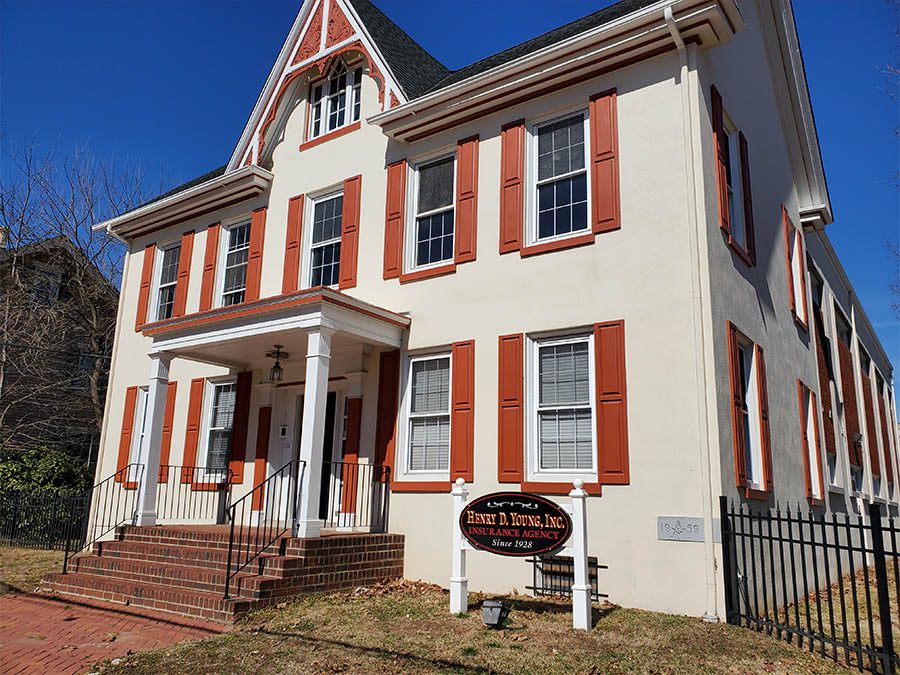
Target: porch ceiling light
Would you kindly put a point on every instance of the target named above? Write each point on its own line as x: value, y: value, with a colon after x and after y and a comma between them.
x: 277, y: 372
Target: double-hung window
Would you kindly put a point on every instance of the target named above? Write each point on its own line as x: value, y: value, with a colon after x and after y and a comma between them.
x: 335, y: 102
x: 793, y: 240
x: 809, y: 418
x: 749, y: 422
x: 561, y: 426
x: 561, y: 174
x: 168, y: 277
x: 734, y: 186
x: 220, y: 421
x: 428, y: 434
x: 140, y: 416
x: 237, y: 249
x: 325, y: 241
x: 434, y: 208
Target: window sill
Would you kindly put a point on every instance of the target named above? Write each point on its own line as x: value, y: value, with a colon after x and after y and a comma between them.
x: 741, y: 253
x: 760, y: 495
x: 421, y: 485
x: 816, y: 501
x: 542, y: 488
x: 557, y: 245
x: 306, y: 145
x: 428, y: 273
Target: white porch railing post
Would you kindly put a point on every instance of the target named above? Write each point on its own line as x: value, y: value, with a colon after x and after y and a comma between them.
x: 459, y: 582
x: 581, y: 589
x: 315, y: 394
x: 151, y: 444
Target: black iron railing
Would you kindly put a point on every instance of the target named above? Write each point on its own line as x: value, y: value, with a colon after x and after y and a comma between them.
x: 44, y: 520
x: 193, y: 493
x: 261, y: 517
x: 825, y: 581
x: 113, y: 502
x: 355, y: 497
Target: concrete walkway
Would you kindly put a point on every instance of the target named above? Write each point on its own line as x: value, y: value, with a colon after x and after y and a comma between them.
x: 42, y: 634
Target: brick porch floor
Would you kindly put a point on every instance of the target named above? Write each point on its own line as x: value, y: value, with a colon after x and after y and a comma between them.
x: 39, y: 634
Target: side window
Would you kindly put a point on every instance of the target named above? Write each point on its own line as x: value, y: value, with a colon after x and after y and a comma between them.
x: 220, y: 418
x: 325, y: 241
x: 812, y: 455
x: 793, y: 241
x: 234, y: 278
x: 166, y: 280
x: 749, y: 427
x: 432, y: 241
x: 335, y: 101
x: 428, y: 433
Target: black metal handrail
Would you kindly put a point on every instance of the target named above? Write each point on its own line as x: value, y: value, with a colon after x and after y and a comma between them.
x: 193, y: 493
x: 261, y: 517
x: 112, y: 502
x: 355, y: 497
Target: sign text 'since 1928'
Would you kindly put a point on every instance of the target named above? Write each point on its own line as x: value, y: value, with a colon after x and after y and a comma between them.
x: 515, y: 524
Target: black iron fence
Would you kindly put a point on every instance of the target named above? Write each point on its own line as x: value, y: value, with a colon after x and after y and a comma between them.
x: 45, y: 519
x: 355, y: 497
x: 827, y: 582
x: 193, y: 494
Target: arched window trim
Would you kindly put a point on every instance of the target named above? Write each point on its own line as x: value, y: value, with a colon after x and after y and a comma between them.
x: 335, y: 100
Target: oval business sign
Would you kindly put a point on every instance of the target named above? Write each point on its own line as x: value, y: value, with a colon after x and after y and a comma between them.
x: 515, y: 524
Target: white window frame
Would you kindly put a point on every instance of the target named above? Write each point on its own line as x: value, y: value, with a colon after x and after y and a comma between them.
x: 222, y: 257
x: 812, y: 447
x: 157, y: 275
x: 757, y: 481
x: 412, y: 209
x: 209, y: 397
x: 798, y: 283
x: 353, y: 98
x: 405, y: 471
x: 140, y: 424
x: 306, y: 245
x: 531, y: 176
x: 532, y: 450
x: 736, y: 195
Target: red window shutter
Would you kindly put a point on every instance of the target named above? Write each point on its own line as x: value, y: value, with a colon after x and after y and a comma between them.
x: 350, y: 232
x: 871, y: 429
x: 465, y: 240
x: 350, y: 479
x: 766, y: 436
x: 851, y: 412
x: 255, y: 254
x: 825, y: 380
x: 386, y: 417
x: 737, y: 408
x: 511, y: 408
x: 462, y: 420
x: 126, y: 434
x: 612, y: 403
x: 192, y: 429
x: 263, y: 429
x: 719, y: 141
x: 240, y: 425
x: 604, y: 162
x: 804, y: 438
x: 394, y: 219
x: 146, y: 285
x: 817, y: 441
x: 512, y: 185
x: 748, y: 198
x: 290, y: 280
x: 168, y: 419
x: 184, y: 274
x: 886, y: 441
x: 208, y: 280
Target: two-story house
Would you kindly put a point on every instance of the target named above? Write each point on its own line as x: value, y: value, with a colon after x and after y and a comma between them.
x: 600, y: 255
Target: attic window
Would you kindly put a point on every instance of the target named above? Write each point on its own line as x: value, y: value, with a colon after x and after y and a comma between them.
x: 335, y: 101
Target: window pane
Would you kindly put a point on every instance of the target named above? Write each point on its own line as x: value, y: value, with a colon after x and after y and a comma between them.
x: 431, y: 386
x: 166, y: 302
x: 436, y: 185
x: 429, y: 445
x: 223, y: 406
x: 169, y: 269
x: 219, y: 449
x: 564, y: 374
x: 562, y: 206
x: 357, y: 93
x: 239, y: 237
x: 561, y: 147
x: 434, y: 238
x: 327, y: 219
x: 326, y: 265
x: 565, y: 439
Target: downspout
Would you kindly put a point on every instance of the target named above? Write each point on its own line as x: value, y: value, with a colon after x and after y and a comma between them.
x: 705, y: 436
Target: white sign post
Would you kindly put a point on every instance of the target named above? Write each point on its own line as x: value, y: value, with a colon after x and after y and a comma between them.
x: 577, y: 548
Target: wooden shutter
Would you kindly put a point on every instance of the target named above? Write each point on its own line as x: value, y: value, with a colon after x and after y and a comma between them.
x: 184, y: 273
x: 350, y: 232
x: 765, y: 435
x: 748, y: 198
x: 871, y: 429
x: 240, y: 425
x: 146, y: 285
x: 386, y: 417
x: 720, y: 141
x: 255, y: 254
x: 208, y: 280
x: 168, y: 419
x: 192, y: 428
x: 604, y: 162
x: 261, y: 461
x: 290, y: 280
x: 825, y: 367
x: 512, y: 185
x: 465, y: 239
x: 612, y: 403
x: 511, y: 408
x: 462, y: 411
x: 394, y: 218
x: 351, y: 455
x: 127, y: 432
x: 737, y: 408
x: 851, y: 412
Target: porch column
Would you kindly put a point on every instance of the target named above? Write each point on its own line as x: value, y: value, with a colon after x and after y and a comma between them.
x: 151, y: 444
x: 318, y: 358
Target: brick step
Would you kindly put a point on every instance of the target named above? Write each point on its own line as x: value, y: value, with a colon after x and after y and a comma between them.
x: 177, y: 536
x: 194, y: 603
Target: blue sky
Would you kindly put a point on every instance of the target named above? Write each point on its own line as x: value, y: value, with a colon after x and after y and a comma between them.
x: 168, y: 84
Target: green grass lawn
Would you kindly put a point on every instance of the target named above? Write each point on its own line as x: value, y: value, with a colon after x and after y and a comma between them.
x: 22, y: 569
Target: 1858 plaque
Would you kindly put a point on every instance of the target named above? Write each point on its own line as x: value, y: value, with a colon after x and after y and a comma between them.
x: 515, y: 524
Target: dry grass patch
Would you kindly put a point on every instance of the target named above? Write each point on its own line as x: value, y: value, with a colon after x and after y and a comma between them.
x: 21, y: 569
x: 406, y: 627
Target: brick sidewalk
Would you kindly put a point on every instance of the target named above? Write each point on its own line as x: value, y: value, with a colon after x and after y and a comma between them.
x: 40, y: 634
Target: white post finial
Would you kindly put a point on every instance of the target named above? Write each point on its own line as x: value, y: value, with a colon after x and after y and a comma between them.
x: 581, y: 589
x: 459, y: 582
